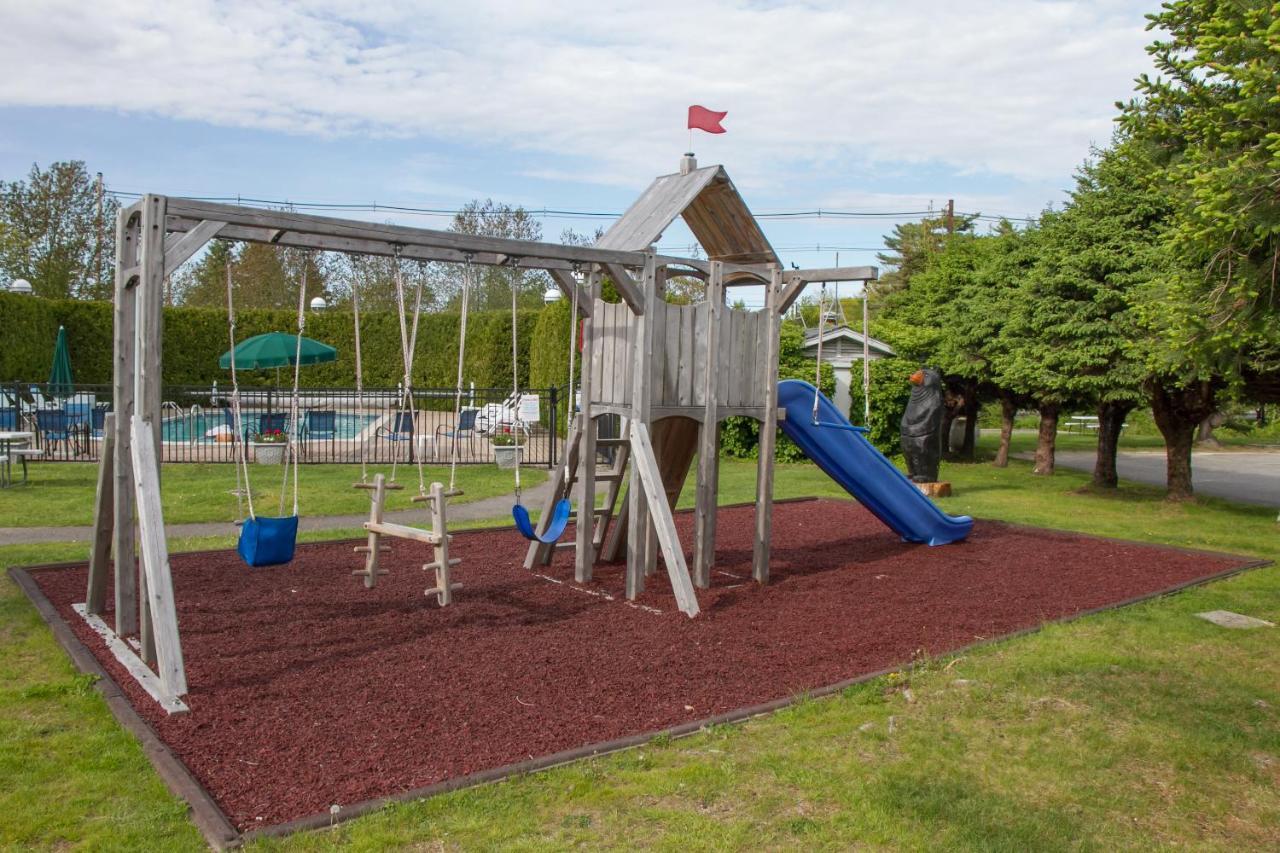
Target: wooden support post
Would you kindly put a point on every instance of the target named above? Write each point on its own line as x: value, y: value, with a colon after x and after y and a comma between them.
x: 374, y: 546
x: 95, y: 596
x: 147, y: 386
x: 159, y: 602
x: 768, y: 434
x: 645, y: 462
x: 585, y: 553
x: 124, y: 364
x: 704, y: 535
x: 638, y: 521
x: 444, y: 587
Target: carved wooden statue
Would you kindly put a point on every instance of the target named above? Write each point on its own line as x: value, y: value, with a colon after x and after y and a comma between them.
x: 922, y: 426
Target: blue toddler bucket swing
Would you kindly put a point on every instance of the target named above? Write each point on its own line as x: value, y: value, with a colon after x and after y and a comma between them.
x: 554, y: 527
x: 264, y: 540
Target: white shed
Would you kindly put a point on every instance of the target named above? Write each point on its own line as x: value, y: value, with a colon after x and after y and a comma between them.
x: 842, y: 348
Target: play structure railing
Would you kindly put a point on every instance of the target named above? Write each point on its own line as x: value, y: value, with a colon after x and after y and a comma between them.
x: 336, y: 425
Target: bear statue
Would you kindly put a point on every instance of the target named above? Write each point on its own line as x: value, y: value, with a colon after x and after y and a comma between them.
x: 922, y: 426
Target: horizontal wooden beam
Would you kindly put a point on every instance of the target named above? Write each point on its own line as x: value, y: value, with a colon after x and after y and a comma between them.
x: 794, y: 281
x: 831, y: 274
x: 328, y: 228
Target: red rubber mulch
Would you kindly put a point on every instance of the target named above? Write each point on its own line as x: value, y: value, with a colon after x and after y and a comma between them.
x: 309, y: 690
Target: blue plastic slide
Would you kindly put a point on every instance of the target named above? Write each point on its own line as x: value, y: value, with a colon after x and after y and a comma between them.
x: 864, y: 472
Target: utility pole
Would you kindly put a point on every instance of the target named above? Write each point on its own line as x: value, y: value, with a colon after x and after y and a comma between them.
x: 951, y: 216
x: 97, y: 243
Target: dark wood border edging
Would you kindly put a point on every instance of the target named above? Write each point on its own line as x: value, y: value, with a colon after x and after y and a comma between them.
x: 221, y: 834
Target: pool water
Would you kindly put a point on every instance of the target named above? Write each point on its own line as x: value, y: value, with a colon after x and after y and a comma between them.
x: 184, y: 428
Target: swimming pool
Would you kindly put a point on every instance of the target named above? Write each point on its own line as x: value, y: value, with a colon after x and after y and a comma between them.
x: 197, y: 428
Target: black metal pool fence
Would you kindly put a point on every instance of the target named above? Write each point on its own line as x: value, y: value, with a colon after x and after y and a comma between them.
x: 334, y: 424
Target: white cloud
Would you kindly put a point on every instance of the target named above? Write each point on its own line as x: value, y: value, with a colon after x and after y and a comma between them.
x: 1008, y: 87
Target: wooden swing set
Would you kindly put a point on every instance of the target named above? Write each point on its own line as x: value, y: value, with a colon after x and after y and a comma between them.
x: 671, y: 373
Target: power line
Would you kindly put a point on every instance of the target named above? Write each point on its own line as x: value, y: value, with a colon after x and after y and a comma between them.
x: 551, y: 213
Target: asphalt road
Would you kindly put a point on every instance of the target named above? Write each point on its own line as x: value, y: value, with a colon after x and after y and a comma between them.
x: 1239, y: 475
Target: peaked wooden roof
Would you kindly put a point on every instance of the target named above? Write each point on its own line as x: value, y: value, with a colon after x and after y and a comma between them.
x: 711, y: 207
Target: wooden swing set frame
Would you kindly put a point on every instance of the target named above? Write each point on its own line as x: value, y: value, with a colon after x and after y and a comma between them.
x: 645, y: 360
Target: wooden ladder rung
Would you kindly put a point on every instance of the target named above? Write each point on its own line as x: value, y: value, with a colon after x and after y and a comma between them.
x: 363, y: 573
x: 435, y: 590
x: 364, y: 549
x: 612, y: 442
x: 452, y: 493
x: 607, y: 477
x: 453, y: 561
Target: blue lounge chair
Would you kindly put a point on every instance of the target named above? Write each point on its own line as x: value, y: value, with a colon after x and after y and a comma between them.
x: 270, y: 422
x: 56, y: 425
x: 321, y: 424
x: 401, y: 430
x: 465, y: 428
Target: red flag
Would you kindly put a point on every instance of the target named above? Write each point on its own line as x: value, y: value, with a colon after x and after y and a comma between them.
x: 701, y: 118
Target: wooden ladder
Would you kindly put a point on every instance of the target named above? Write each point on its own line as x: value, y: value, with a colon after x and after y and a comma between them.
x: 561, y: 487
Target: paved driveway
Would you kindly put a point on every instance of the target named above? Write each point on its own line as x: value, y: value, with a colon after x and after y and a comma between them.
x: 1246, y: 476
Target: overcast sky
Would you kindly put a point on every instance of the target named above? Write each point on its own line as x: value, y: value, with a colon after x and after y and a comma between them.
x: 881, y: 106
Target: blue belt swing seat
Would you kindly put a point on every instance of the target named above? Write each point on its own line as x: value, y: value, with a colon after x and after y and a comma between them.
x: 554, y: 528
x: 265, y: 540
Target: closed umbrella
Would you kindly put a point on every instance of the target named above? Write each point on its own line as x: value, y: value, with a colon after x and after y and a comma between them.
x: 60, y: 377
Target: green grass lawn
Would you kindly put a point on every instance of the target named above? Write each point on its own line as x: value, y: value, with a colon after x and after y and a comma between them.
x: 61, y: 493
x: 1142, y: 728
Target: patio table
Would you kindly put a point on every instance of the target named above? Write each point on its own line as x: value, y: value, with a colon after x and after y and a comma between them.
x: 9, y: 439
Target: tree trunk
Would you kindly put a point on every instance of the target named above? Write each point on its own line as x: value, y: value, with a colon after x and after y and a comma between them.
x: 948, y: 417
x: 1178, y: 413
x: 970, y: 410
x: 1008, y: 410
x: 1110, y: 420
x: 1047, y: 439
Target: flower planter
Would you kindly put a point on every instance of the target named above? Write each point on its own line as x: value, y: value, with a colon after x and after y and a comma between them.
x: 507, y: 457
x: 269, y: 453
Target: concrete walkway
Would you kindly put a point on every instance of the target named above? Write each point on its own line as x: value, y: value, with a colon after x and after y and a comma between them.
x: 1247, y: 476
x: 498, y: 506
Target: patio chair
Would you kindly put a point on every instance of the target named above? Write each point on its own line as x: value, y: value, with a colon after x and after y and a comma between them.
x: 401, y: 430
x: 319, y: 425
x: 98, y: 419
x: 56, y: 426
x: 269, y: 422
x: 40, y: 400
x: 465, y: 428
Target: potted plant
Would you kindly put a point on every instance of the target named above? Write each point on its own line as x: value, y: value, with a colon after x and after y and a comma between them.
x: 269, y: 447
x: 505, y: 451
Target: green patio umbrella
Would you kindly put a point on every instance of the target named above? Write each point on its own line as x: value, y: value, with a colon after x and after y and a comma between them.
x: 276, y: 349
x: 60, y: 377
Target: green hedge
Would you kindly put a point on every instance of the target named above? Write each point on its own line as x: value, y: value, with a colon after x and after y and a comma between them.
x: 549, y: 358
x: 890, y: 391
x: 194, y: 338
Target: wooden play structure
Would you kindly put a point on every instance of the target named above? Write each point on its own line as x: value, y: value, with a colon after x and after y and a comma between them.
x: 671, y: 372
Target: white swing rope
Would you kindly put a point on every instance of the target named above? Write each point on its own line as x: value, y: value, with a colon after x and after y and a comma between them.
x: 462, y: 354
x: 364, y: 452
x: 243, y: 492
x: 817, y: 370
x: 408, y: 346
x: 515, y: 376
x: 573, y: 352
x: 291, y: 448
